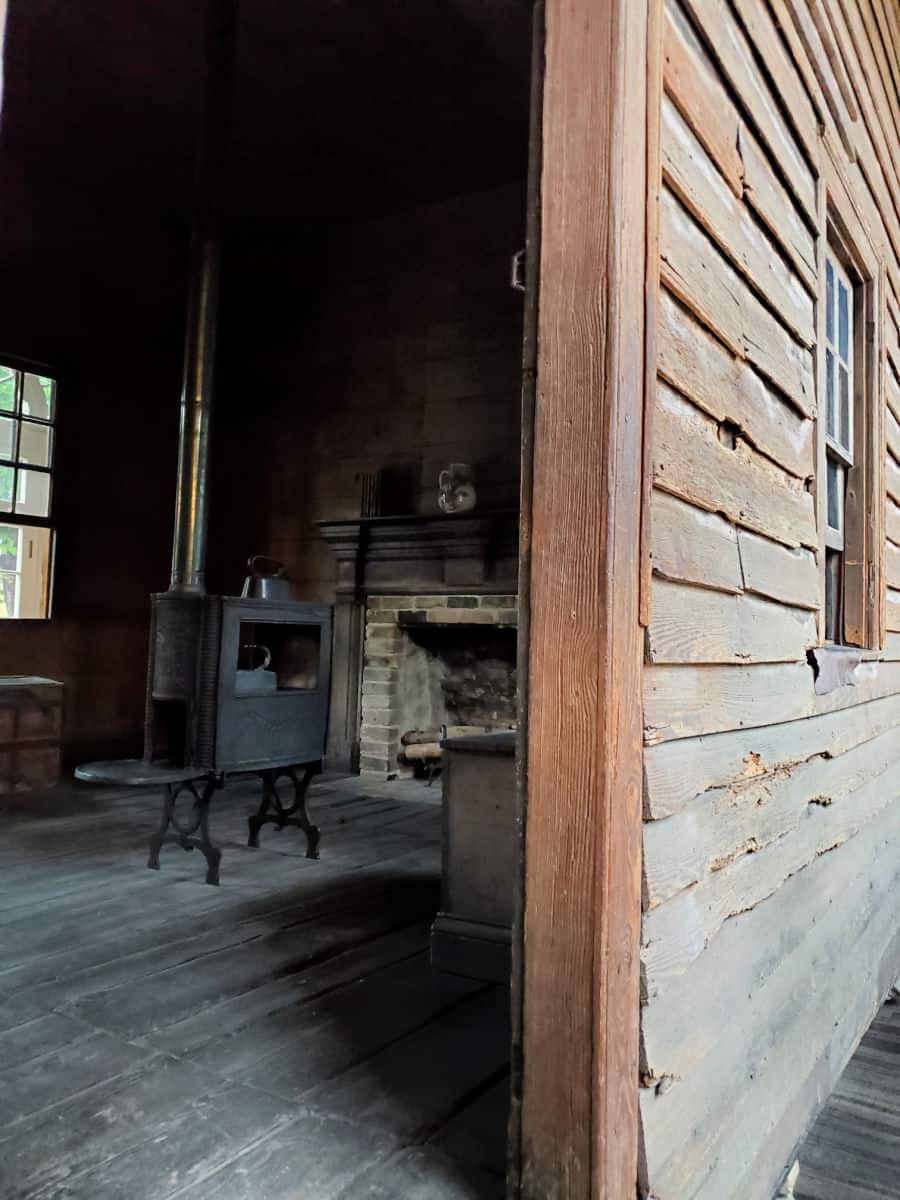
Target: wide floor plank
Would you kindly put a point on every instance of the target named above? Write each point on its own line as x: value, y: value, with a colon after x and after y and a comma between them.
x: 281, y: 1036
x: 853, y: 1150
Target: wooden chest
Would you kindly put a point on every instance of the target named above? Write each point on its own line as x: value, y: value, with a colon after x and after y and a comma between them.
x: 471, y: 934
x: 31, y: 711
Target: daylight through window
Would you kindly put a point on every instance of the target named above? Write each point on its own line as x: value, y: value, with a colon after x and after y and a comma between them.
x: 839, y: 421
x: 28, y: 405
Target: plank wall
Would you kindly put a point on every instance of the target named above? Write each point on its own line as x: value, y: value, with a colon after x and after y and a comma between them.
x: 772, y: 821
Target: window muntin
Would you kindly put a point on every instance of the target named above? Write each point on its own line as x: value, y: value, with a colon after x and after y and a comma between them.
x: 27, y: 419
x: 28, y: 409
x: 840, y: 419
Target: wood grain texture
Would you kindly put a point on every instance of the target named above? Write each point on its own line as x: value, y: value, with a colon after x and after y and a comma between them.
x: 655, y: 34
x: 728, y: 389
x: 727, y: 476
x: 694, y: 270
x: 694, y: 86
x: 770, y: 869
x: 731, y: 50
x: 678, y: 772
x: 697, y: 625
x: 686, y: 701
x: 582, y: 914
x: 691, y: 174
x: 693, y: 546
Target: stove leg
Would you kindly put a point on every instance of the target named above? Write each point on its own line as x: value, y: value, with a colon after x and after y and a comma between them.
x: 272, y: 811
x: 185, y: 835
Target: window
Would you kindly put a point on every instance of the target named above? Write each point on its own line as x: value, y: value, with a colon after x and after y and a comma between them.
x: 28, y: 404
x: 839, y: 421
x: 851, y: 430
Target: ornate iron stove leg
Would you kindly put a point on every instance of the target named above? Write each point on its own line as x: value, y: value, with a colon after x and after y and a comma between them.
x: 184, y: 833
x: 281, y: 816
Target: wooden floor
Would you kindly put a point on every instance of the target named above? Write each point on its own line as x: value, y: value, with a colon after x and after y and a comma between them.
x: 853, y: 1150
x: 281, y: 1037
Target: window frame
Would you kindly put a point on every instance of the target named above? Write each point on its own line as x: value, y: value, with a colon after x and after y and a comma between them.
x: 16, y: 362
x: 844, y: 239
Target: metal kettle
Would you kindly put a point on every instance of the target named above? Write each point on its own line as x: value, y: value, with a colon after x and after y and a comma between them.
x: 267, y: 580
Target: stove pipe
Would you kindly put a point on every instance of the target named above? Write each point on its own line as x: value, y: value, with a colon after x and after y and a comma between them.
x: 192, y: 499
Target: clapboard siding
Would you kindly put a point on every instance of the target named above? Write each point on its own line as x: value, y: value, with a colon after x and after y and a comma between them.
x: 700, y: 626
x: 696, y: 460
x: 690, y: 545
x: 692, y: 175
x: 694, y: 270
x: 696, y: 364
x: 772, y: 810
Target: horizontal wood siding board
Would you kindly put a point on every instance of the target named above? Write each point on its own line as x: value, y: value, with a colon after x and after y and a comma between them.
x: 728, y: 389
x: 678, y: 932
x: 892, y: 564
x: 685, y: 701
x: 695, y: 271
x: 773, y: 205
x: 692, y: 462
x: 696, y: 625
x: 892, y: 520
x: 784, y: 82
x: 794, y: 976
x: 893, y: 610
x: 693, y: 546
x: 692, y: 83
x: 690, y: 172
x: 745, y: 817
x: 730, y: 49
x: 769, y: 569
x: 677, y: 772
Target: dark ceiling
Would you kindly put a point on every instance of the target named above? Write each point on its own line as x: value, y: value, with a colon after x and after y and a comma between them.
x: 343, y: 107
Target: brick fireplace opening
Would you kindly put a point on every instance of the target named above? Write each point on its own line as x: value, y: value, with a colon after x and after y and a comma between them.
x: 432, y: 661
x: 425, y: 628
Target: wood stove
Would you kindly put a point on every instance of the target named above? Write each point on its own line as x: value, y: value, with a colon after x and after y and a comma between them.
x: 204, y: 709
x: 207, y: 713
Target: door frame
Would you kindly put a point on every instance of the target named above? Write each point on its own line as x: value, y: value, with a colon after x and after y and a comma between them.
x: 589, y: 369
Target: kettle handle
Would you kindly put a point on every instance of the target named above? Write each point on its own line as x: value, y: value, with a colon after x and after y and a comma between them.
x: 260, y: 564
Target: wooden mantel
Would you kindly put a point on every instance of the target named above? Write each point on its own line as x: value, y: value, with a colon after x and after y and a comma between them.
x: 471, y: 552
x: 468, y: 553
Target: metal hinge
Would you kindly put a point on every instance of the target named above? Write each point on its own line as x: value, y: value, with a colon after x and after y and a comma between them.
x: 517, y: 271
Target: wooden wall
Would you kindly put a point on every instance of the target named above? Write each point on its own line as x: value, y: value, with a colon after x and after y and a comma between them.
x: 772, y: 822
x: 99, y: 298
x: 389, y: 342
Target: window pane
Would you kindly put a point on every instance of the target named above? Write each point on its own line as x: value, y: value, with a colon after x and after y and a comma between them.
x: 33, y: 494
x: 846, y: 437
x: 833, y: 577
x: 7, y: 389
x: 7, y: 437
x: 6, y: 488
x: 48, y: 387
x: 24, y: 571
x: 829, y: 301
x: 830, y: 421
x: 35, y: 402
x: 835, y: 495
x: 843, y: 322
x: 34, y: 444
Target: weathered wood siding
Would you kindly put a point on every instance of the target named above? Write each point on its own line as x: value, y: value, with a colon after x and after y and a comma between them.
x: 772, y: 821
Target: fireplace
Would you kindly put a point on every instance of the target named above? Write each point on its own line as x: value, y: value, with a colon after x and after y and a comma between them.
x: 424, y: 631
x: 431, y: 662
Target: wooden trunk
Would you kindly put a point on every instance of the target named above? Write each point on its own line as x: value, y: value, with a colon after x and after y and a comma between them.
x: 31, y: 712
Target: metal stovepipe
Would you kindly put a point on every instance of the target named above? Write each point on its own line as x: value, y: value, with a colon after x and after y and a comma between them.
x: 192, y: 494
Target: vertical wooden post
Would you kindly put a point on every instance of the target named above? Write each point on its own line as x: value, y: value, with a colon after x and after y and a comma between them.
x: 579, y: 1071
